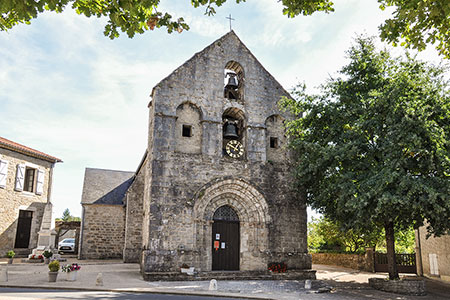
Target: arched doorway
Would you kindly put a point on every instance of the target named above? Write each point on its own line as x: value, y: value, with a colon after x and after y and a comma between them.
x: 225, y: 239
x: 252, y: 213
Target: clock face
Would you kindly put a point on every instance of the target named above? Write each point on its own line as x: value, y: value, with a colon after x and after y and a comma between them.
x: 234, y: 149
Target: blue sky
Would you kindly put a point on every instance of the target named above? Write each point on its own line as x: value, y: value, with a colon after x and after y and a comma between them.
x: 69, y: 91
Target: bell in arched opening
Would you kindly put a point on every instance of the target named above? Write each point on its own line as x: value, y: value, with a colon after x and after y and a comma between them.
x: 231, y: 81
x: 231, y: 85
x: 231, y: 131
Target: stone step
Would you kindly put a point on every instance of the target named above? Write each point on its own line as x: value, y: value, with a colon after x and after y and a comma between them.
x: 231, y: 275
x: 22, y: 252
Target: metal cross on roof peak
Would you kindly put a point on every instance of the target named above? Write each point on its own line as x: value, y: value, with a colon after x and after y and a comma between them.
x: 231, y: 19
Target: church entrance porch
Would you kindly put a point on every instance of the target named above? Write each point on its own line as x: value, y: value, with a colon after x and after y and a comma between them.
x: 226, y: 240
x: 239, y: 211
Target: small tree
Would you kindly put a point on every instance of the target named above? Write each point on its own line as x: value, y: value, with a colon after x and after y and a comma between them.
x: 373, y: 150
x: 66, y: 217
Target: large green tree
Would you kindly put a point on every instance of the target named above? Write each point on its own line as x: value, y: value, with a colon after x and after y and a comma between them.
x: 414, y: 24
x: 373, y: 148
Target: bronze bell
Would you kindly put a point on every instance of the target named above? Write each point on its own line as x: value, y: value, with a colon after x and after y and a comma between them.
x: 232, y: 81
x: 230, y: 130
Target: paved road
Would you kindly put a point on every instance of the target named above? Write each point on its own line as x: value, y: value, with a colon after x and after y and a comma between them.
x: 28, y: 294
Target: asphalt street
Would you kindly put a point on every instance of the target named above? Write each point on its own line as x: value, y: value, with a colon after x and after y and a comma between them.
x: 45, y: 294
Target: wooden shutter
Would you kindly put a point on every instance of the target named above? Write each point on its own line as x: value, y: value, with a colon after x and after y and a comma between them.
x: 3, y: 173
x: 40, y: 182
x: 20, y: 177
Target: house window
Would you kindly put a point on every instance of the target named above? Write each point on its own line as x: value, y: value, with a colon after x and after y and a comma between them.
x: 273, y: 142
x: 187, y: 131
x: 29, y: 179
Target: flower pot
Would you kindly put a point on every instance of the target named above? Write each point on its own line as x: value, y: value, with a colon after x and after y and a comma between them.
x: 52, y: 276
x: 72, y: 276
x: 10, y: 260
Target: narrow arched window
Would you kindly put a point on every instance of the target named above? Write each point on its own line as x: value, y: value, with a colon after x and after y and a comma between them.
x: 188, y: 128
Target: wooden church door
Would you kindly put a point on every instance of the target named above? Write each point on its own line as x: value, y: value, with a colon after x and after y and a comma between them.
x: 225, y: 240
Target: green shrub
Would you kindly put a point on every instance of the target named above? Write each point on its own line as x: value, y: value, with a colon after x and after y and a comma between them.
x: 53, y: 266
x: 11, y: 254
x: 47, y: 254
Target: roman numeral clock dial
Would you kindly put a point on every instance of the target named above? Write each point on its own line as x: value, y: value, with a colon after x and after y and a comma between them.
x: 234, y: 149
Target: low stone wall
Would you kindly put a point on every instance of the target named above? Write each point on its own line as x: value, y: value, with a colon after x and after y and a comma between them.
x: 405, y: 286
x: 363, y: 262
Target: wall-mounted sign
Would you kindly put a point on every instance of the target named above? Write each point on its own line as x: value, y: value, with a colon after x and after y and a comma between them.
x: 216, y: 245
x: 217, y: 236
x: 222, y: 245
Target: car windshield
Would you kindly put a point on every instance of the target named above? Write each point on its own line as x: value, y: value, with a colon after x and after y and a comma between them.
x: 68, y: 241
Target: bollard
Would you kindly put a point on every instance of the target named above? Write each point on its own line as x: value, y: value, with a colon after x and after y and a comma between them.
x: 213, y: 285
x: 307, y: 284
x: 99, y: 280
x: 4, y: 275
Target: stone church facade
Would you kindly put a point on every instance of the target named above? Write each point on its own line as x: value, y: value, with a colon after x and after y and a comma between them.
x: 214, y: 189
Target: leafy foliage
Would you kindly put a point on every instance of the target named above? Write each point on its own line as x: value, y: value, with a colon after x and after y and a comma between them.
x: 415, y: 22
x: 373, y: 149
x: 325, y: 235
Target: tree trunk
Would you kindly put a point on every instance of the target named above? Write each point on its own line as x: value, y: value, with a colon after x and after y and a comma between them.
x: 390, y: 247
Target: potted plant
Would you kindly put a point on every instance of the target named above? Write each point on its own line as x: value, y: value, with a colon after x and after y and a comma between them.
x: 47, y: 254
x: 10, y: 254
x: 71, y: 271
x: 53, y: 273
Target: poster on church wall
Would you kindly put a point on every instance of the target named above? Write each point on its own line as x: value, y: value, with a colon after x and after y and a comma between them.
x: 216, y: 245
x: 217, y: 236
x: 223, y: 245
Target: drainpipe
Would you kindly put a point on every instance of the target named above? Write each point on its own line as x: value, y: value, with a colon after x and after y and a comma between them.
x: 419, y: 265
x: 80, y: 246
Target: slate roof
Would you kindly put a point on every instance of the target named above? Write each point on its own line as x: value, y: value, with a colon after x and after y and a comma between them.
x: 10, y: 145
x: 105, y: 186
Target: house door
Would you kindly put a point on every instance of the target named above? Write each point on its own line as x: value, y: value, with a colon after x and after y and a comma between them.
x: 23, y: 229
x: 225, y: 240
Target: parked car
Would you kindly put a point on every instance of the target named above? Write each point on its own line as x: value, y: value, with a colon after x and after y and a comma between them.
x: 67, y: 245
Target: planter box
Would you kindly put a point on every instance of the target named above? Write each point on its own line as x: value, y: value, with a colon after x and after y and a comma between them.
x: 407, y: 286
x: 52, y: 276
x: 189, y: 271
x: 71, y: 276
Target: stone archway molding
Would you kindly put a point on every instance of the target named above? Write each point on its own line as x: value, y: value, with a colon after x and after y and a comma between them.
x: 248, y: 202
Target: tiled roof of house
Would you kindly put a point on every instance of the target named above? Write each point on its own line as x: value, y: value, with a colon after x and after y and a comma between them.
x: 10, y: 145
x: 105, y: 186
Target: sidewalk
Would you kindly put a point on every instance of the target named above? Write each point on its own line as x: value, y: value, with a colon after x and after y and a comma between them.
x: 121, y: 277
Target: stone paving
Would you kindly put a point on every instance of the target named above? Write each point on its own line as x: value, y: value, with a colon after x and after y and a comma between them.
x: 340, y: 283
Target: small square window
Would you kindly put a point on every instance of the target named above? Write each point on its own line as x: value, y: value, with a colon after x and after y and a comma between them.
x: 187, y: 131
x: 273, y: 142
x: 29, y: 180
